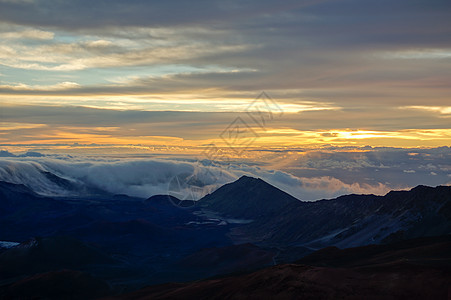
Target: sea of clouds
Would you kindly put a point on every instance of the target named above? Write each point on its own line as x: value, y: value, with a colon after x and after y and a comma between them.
x: 313, y: 177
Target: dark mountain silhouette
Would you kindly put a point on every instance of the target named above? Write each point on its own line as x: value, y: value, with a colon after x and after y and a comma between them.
x: 418, y: 269
x: 162, y: 200
x: 16, y: 198
x: 52, y: 285
x: 427, y: 251
x: 355, y: 220
x: 157, y: 240
x: 44, y: 254
x: 22, y: 212
x: 165, y: 200
x: 229, y: 259
x: 248, y: 198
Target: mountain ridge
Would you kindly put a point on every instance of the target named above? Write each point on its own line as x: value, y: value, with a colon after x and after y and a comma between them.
x: 355, y: 220
x: 364, y: 274
x: 157, y: 241
x: 247, y: 198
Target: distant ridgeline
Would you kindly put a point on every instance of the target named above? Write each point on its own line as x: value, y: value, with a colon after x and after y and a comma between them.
x: 127, y: 242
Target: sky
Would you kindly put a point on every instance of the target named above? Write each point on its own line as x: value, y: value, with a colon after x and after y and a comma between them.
x: 234, y: 79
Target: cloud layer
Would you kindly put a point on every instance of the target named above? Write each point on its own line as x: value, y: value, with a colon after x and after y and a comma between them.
x: 306, y: 174
x: 352, y: 52
x: 346, y: 73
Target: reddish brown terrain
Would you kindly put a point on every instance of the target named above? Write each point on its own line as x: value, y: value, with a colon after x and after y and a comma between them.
x: 416, y: 269
x: 395, y: 246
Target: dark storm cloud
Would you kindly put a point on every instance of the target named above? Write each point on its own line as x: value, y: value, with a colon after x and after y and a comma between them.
x: 374, y: 65
x: 343, y: 22
x: 88, y: 14
x: 294, y: 44
x: 347, y: 22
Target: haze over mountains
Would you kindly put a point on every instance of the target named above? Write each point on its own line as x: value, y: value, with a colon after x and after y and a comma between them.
x: 307, y: 174
x: 243, y: 226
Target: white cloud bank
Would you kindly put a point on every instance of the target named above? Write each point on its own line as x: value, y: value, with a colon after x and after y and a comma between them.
x: 147, y: 177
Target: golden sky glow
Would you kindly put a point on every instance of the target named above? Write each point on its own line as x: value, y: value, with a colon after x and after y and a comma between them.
x: 243, y: 138
x: 355, y: 74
